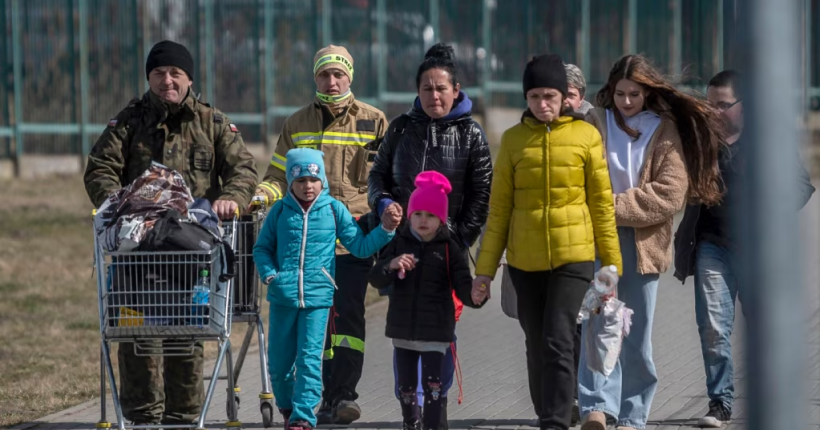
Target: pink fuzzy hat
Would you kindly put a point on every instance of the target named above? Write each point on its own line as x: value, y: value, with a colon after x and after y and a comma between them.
x: 430, y: 195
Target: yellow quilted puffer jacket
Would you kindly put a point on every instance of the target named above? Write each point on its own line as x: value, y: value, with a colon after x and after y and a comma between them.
x: 551, y: 202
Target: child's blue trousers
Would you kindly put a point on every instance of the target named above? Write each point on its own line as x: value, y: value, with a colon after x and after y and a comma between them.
x: 295, y: 347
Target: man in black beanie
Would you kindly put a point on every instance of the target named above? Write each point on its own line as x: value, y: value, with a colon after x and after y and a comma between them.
x: 170, y: 71
x: 171, y: 126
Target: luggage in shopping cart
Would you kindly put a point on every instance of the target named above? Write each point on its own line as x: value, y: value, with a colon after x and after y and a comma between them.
x: 151, y: 300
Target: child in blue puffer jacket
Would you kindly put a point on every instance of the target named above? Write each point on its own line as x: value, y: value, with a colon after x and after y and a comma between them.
x: 295, y: 256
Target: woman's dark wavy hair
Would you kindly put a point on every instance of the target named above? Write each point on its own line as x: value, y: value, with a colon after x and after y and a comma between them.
x: 439, y: 56
x: 699, y: 125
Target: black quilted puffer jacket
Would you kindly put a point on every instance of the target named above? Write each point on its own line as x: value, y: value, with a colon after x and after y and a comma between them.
x: 454, y: 146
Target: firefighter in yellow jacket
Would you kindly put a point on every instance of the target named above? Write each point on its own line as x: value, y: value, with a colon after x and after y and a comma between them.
x: 348, y: 132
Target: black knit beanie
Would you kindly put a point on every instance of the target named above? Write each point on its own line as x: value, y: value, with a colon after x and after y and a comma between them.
x: 545, y: 71
x: 167, y: 53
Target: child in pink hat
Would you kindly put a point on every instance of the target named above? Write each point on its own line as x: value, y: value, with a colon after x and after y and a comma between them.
x: 425, y: 266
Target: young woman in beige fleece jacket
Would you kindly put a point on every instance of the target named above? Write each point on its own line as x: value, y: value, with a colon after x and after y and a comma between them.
x: 661, y: 147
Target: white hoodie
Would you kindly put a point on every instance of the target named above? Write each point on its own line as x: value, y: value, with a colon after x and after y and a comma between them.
x: 625, y: 155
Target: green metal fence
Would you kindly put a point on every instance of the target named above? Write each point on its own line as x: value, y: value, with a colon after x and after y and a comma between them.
x: 67, y: 66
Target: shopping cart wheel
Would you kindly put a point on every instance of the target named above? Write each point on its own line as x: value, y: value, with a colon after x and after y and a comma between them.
x: 236, y: 401
x: 228, y: 405
x: 267, y: 414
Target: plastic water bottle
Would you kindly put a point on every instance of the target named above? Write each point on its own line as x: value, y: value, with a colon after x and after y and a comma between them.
x: 199, y: 299
x: 606, y: 280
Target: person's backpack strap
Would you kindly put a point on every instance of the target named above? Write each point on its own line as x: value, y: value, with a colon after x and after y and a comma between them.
x: 459, y: 306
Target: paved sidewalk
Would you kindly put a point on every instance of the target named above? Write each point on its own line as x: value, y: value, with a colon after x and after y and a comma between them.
x: 491, y: 350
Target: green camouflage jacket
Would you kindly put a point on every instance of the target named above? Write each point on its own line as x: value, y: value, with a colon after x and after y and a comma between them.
x: 194, y: 139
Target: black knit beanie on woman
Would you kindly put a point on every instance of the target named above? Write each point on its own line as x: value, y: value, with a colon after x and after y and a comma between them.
x: 545, y: 71
x: 167, y: 53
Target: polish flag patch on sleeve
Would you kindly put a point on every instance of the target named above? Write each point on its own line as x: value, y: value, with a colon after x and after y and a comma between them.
x: 234, y: 129
x: 112, y: 122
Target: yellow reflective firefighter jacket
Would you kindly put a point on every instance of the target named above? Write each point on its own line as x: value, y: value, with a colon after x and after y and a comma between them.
x: 350, y: 143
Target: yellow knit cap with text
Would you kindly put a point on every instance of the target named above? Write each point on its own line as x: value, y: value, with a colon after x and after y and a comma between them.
x: 333, y: 56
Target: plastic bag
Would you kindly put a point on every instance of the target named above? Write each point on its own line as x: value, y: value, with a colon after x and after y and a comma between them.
x: 603, y: 335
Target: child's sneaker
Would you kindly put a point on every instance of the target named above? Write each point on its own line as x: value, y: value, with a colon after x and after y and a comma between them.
x: 300, y: 425
x: 286, y: 414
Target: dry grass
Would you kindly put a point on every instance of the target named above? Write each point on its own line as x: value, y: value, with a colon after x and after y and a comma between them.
x: 49, y: 329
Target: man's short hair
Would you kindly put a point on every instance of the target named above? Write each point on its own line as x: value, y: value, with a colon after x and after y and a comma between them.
x: 727, y: 78
x: 575, y: 78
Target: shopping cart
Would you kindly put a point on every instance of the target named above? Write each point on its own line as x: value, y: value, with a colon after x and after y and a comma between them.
x: 151, y: 299
x: 247, y: 305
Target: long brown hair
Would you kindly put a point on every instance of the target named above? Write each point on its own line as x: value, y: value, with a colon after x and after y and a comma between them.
x: 699, y: 125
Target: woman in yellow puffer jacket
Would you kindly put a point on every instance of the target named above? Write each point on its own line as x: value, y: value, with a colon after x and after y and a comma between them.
x: 550, y: 206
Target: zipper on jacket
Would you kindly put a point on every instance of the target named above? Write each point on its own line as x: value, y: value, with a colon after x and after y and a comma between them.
x: 426, y: 144
x: 329, y: 278
x: 547, y: 195
x: 416, y: 292
x: 302, y: 248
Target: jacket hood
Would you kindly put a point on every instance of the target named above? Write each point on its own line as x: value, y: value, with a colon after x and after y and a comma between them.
x: 462, y: 107
x: 584, y: 108
x: 442, y: 236
x: 529, y: 119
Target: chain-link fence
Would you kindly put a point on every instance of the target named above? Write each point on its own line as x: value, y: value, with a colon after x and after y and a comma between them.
x: 68, y: 66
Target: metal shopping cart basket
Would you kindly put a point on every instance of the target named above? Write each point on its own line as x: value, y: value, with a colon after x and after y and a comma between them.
x: 247, y: 305
x: 154, y: 301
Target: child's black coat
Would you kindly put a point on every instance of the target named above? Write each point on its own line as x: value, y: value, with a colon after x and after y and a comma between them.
x: 421, y: 304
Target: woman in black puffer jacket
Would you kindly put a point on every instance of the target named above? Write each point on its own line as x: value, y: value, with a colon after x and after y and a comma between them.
x: 438, y: 133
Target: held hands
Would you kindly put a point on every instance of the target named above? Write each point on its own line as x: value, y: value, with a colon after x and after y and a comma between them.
x: 481, y: 289
x: 391, y: 217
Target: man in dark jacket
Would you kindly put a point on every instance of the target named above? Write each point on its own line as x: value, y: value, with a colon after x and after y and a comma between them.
x: 171, y: 126
x: 706, y: 247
